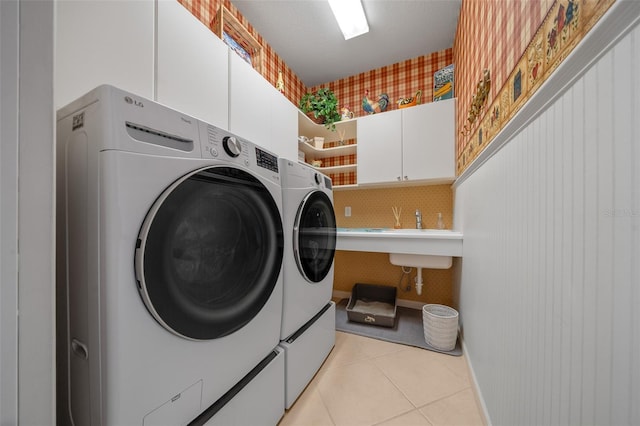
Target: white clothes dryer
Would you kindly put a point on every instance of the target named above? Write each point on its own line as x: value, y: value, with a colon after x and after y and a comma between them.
x: 308, y: 315
x: 170, y: 255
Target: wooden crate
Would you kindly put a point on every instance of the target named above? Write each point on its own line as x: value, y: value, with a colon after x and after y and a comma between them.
x: 226, y: 22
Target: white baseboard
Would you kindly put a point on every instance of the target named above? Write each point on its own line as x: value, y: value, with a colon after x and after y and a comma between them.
x: 478, y: 393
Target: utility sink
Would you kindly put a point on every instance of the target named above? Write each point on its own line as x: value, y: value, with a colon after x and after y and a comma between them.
x: 415, y: 248
x: 421, y: 260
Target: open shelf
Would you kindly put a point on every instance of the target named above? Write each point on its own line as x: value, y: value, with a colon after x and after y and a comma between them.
x: 345, y: 187
x: 336, y: 151
x: 345, y: 130
x: 337, y: 169
x: 308, y: 128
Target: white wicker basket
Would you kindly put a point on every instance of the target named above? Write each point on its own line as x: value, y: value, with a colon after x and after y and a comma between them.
x: 440, y: 326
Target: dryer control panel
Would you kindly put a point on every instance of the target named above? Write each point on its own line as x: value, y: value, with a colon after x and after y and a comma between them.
x: 300, y: 175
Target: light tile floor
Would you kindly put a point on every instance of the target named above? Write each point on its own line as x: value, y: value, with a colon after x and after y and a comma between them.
x: 367, y: 381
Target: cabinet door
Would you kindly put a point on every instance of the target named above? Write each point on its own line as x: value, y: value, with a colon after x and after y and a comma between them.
x: 249, y: 102
x: 192, y: 66
x: 380, y: 148
x: 284, y: 127
x: 103, y: 42
x: 258, y: 112
x: 428, y: 140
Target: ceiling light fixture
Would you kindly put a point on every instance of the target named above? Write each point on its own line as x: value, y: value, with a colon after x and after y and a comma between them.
x: 350, y: 17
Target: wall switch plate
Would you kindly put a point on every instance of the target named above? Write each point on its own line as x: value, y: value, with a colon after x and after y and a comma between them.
x: 347, y: 211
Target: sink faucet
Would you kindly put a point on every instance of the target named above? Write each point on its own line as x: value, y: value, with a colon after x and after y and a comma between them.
x: 418, y: 219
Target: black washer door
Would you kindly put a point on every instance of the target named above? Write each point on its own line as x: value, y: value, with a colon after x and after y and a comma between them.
x: 314, y: 236
x: 210, y: 253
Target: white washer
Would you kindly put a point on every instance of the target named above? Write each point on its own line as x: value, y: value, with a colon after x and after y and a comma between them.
x: 308, y: 315
x: 170, y: 255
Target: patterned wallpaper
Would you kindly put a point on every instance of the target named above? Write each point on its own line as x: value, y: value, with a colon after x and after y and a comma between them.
x: 486, y: 37
x: 521, y: 42
x: 399, y: 80
x: 372, y: 207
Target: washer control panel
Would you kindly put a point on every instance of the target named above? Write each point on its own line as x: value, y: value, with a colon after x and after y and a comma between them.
x: 223, y: 145
x: 267, y: 160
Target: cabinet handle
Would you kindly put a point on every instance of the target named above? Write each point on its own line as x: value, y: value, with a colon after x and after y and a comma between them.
x: 406, y: 178
x: 398, y: 178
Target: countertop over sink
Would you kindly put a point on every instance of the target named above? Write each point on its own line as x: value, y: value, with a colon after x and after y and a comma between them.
x: 438, y: 242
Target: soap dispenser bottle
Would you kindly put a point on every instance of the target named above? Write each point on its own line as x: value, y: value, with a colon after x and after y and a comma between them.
x: 440, y: 223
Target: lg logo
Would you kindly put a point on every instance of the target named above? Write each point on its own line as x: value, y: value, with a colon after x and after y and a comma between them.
x: 132, y: 101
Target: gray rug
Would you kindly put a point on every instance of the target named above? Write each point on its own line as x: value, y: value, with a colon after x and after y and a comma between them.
x: 407, y: 330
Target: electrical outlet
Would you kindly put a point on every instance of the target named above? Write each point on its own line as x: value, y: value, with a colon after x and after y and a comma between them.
x: 347, y: 211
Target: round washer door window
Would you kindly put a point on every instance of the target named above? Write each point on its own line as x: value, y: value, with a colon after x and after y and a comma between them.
x: 209, y: 253
x: 314, y: 236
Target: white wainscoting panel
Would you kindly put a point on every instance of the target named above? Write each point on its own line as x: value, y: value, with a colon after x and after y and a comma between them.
x: 550, y: 278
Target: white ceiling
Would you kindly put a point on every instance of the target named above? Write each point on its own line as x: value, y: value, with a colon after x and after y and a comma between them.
x: 306, y: 36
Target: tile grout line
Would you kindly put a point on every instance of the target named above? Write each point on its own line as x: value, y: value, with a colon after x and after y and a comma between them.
x: 445, y: 397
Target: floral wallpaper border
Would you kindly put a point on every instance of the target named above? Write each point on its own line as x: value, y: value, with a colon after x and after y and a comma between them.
x: 566, y: 23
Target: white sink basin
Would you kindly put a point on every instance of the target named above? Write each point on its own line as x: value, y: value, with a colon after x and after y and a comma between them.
x: 421, y: 260
x: 421, y: 242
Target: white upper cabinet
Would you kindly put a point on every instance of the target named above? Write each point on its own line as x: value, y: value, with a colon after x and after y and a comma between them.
x: 380, y: 147
x: 249, y: 102
x: 428, y: 141
x: 412, y: 144
x: 284, y: 126
x: 192, y: 66
x: 103, y: 42
x: 258, y: 112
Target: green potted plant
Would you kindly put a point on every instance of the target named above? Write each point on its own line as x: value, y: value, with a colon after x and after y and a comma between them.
x: 321, y: 105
